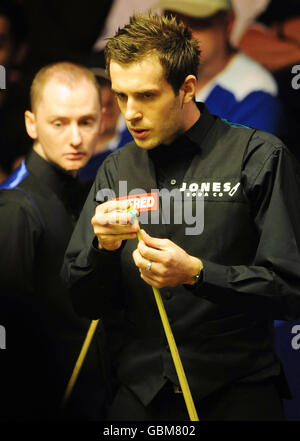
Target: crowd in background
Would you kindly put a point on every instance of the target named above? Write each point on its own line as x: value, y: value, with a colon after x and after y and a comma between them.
x: 33, y: 34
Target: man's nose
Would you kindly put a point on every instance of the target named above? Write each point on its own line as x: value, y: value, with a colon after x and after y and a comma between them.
x: 76, y: 137
x: 132, y: 112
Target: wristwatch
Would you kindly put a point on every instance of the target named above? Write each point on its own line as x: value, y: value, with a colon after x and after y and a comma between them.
x: 198, y: 278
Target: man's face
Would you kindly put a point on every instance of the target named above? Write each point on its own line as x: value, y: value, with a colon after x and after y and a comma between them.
x: 153, y: 113
x: 66, y: 123
x: 212, y: 42
x: 212, y: 35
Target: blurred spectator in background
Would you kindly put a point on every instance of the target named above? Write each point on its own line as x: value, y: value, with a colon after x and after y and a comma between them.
x: 114, y: 133
x: 13, y: 99
x: 269, y: 32
x: 13, y: 40
x: 231, y: 84
x: 245, y: 13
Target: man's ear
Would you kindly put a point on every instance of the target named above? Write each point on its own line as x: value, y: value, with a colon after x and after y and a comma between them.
x: 189, y: 88
x: 102, y: 123
x: 30, y: 124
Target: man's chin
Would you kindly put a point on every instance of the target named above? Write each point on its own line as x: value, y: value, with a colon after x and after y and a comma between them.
x: 146, y: 145
x: 73, y: 167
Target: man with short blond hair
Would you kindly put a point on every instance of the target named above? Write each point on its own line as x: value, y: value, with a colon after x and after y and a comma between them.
x: 65, y: 73
x: 39, y: 205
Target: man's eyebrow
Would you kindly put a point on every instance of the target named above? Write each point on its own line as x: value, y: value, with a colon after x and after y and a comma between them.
x: 58, y: 116
x: 138, y: 92
x: 89, y: 115
x: 55, y: 116
x: 149, y: 90
x: 116, y: 90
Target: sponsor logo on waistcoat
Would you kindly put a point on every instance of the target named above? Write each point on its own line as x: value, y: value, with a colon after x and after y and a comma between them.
x: 176, y: 207
x: 211, y: 189
x: 142, y: 202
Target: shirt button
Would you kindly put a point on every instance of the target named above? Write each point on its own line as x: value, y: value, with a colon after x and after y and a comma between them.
x: 173, y: 181
x: 168, y: 295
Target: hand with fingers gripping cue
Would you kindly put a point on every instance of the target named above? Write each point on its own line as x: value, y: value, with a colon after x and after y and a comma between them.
x: 112, y: 224
x: 162, y: 263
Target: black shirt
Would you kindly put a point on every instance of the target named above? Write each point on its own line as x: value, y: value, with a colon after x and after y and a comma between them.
x: 38, y: 211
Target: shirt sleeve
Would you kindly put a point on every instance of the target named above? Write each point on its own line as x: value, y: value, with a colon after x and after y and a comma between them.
x: 20, y: 230
x: 271, y: 181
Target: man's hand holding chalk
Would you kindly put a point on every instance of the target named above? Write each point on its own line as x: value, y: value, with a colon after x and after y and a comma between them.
x: 112, y: 224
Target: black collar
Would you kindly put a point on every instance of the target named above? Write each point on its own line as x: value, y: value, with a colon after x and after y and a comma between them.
x: 199, y: 130
x: 67, y: 188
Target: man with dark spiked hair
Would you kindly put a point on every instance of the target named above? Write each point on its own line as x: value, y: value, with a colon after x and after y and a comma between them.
x: 222, y: 285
